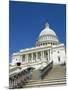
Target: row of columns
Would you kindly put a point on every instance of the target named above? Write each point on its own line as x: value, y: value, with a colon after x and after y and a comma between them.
x: 42, y: 56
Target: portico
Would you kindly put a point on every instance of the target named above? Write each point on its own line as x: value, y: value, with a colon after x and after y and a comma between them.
x: 35, y: 56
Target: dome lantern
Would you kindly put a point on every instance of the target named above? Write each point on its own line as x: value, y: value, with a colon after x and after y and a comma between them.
x: 47, y: 25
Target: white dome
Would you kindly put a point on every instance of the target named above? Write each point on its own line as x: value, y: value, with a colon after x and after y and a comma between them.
x: 47, y: 31
x: 47, y: 36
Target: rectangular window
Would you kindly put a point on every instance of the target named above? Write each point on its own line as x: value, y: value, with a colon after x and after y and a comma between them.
x: 45, y: 54
x: 59, y: 59
x: 34, y: 56
x: 39, y: 55
x: 23, y: 57
x: 29, y: 57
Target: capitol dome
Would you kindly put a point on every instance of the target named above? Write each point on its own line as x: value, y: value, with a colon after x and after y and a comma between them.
x: 47, y: 31
x: 47, y: 36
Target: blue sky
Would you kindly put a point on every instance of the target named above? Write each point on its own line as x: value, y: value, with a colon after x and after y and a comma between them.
x: 27, y: 20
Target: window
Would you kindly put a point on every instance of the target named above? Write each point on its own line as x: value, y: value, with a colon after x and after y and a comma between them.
x: 53, y: 43
x: 45, y: 54
x: 39, y: 55
x: 58, y: 51
x: 40, y: 44
x: 59, y: 59
x: 29, y: 56
x: 23, y: 58
x: 34, y: 56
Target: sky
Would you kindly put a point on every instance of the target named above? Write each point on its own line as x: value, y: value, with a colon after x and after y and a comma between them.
x: 27, y: 20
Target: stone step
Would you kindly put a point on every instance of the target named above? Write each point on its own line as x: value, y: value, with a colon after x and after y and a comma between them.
x: 42, y: 81
x: 48, y: 79
x: 46, y: 83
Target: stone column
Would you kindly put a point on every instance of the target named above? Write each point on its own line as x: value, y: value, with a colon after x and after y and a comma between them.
x: 32, y: 57
x: 48, y: 55
x: 51, y: 55
x: 36, y: 56
x: 21, y: 58
x: 43, y: 55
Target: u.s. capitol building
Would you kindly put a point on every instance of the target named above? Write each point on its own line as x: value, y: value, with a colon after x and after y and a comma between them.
x: 47, y: 49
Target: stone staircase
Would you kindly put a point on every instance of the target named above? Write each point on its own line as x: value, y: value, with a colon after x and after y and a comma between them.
x: 57, y: 76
